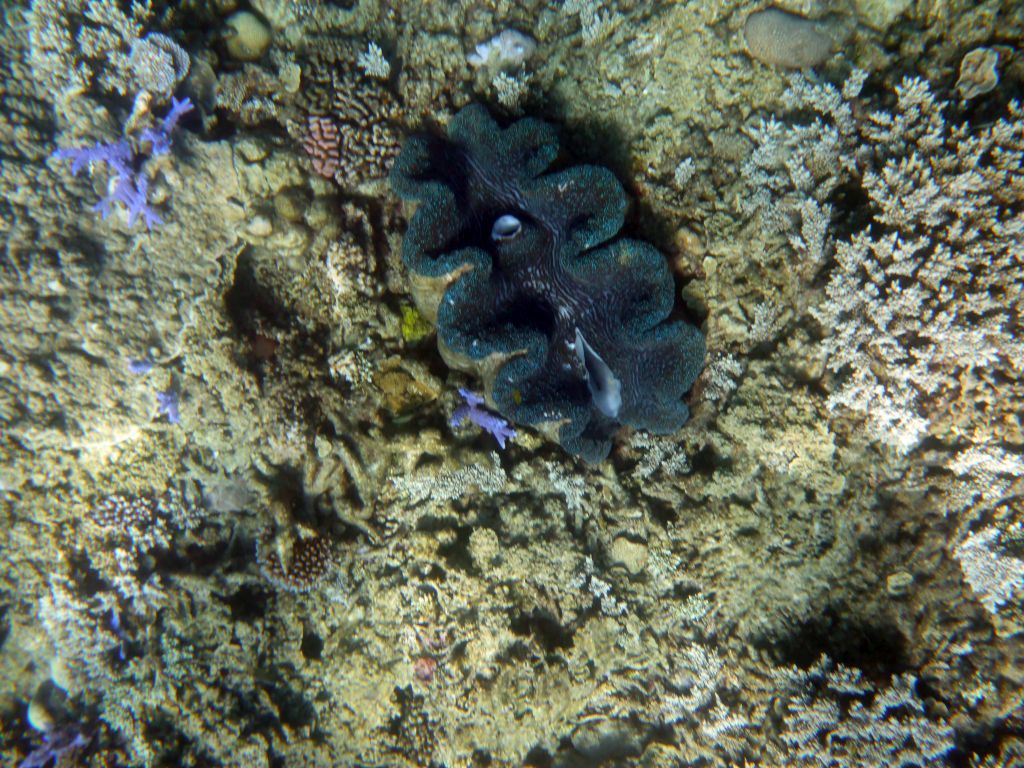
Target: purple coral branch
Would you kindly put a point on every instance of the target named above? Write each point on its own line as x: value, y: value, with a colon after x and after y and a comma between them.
x: 117, y: 155
x: 167, y: 405
x: 131, y: 187
x: 487, y: 421
x: 57, y: 743
x: 160, y: 139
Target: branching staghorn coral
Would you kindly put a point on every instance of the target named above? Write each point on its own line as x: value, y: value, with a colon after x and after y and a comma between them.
x: 923, y: 307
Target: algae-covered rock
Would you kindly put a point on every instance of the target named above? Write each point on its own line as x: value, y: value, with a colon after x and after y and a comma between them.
x: 247, y: 37
x: 785, y: 39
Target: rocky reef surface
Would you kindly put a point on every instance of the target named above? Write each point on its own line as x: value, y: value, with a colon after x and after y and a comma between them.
x: 241, y: 527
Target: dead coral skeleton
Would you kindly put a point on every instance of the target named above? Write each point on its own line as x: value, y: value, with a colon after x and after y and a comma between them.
x: 995, y: 578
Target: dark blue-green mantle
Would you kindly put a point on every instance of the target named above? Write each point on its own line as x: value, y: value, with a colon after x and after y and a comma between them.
x: 511, y: 297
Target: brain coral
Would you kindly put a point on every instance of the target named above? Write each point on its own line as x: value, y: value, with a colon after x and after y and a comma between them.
x: 568, y: 328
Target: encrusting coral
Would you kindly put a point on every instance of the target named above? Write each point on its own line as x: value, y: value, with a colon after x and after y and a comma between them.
x: 567, y: 327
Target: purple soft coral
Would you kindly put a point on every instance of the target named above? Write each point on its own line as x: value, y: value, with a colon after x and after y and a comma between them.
x: 131, y: 187
x: 487, y: 421
x: 118, y: 156
x: 160, y: 139
x: 57, y: 743
x: 131, y: 192
x: 167, y: 405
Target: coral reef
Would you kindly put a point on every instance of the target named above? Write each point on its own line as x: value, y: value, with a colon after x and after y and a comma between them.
x: 75, y: 43
x: 237, y: 526
x: 861, y: 726
x: 926, y: 299
x: 567, y: 327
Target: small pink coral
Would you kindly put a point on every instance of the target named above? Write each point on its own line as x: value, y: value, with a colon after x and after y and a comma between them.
x: 323, y: 145
x: 424, y: 668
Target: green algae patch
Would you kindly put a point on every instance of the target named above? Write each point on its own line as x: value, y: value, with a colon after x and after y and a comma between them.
x: 415, y: 327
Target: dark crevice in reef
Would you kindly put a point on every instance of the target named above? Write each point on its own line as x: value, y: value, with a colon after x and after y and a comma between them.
x: 982, y: 742
x: 163, y: 730
x: 293, y: 709
x: 544, y: 628
x: 538, y: 757
x: 247, y: 709
x: 867, y: 643
x: 706, y: 461
x: 255, y: 311
x: 852, y: 210
x: 456, y: 553
x: 287, y: 487
x: 193, y: 559
x: 84, y: 576
x: 248, y: 301
x: 223, y: 556
x: 664, y: 512
x: 248, y: 603
x: 312, y: 645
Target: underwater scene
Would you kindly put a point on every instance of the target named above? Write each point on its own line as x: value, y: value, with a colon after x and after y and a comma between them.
x: 535, y: 383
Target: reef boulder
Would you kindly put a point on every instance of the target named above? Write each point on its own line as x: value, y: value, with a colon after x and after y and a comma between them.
x: 568, y: 326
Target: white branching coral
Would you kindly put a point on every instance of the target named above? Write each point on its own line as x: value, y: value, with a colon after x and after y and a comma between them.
x: 595, y: 22
x: 658, y: 454
x: 586, y: 579
x: 373, y: 62
x: 875, y: 727
x: 78, y: 630
x: 721, y: 721
x: 572, y: 488
x: 695, y: 686
x: 722, y: 376
x: 52, y: 47
x: 512, y: 90
x: 994, y: 578
x: 76, y: 43
x: 924, y: 301
x: 795, y: 168
x: 985, y: 476
x: 766, y: 321
x: 919, y: 306
x: 684, y: 172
